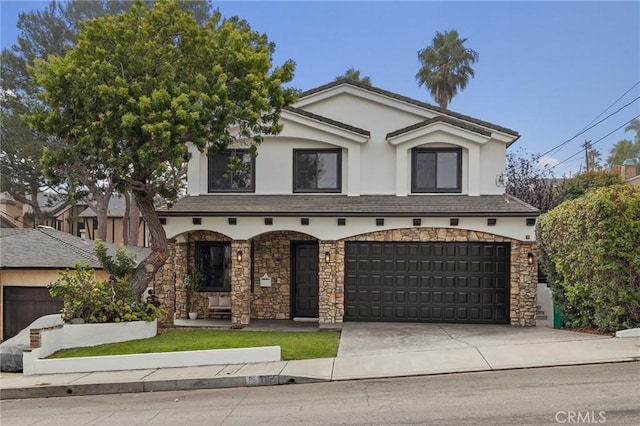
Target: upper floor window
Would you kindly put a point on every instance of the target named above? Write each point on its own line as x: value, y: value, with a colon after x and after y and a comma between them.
x: 436, y: 170
x: 231, y: 171
x: 317, y: 170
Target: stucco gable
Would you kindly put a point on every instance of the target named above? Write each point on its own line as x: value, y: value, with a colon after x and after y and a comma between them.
x: 411, y: 107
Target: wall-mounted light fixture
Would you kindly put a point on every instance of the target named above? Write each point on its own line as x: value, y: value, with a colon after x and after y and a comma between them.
x: 327, y: 257
x: 239, y: 255
x: 530, y: 258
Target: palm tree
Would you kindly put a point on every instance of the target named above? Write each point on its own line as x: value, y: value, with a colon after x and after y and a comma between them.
x: 634, y: 126
x: 446, y: 66
x: 353, y: 74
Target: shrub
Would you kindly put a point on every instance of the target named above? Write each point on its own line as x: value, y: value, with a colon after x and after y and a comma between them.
x: 98, y: 301
x: 590, y: 250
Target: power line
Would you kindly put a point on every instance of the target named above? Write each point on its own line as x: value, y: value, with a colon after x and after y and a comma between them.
x: 594, y: 143
x: 589, y: 128
x: 614, y: 102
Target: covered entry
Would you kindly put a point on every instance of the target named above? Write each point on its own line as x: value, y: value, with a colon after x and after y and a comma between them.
x: 427, y: 282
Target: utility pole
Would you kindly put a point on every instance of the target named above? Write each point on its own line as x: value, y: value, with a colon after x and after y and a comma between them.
x: 587, y: 146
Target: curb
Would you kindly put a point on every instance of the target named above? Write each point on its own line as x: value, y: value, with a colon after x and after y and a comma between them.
x: 154, y: 386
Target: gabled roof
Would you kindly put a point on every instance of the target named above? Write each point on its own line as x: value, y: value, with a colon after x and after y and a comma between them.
x: 51, y: 249
x: 439, y: 119
x: 396, y: 96
x: 327, y: 120
x: 116, y: 208
x: 345, y: 206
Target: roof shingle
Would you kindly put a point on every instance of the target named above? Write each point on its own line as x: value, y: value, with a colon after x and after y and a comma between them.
x: 345, y: 206
x: 48, y: 248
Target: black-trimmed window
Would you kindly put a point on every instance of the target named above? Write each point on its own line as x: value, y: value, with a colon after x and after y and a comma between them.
x: 317, y: 170
x: 213, y: 260
x: 231, y: 171
x: 436, y: 170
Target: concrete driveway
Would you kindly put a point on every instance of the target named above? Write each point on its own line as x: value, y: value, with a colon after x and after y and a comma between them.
x: 378, y: 338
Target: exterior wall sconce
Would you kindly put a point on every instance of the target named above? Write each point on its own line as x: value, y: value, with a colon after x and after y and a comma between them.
x: 239, y: 255
x: 530, y: 258
x: 327, y: 257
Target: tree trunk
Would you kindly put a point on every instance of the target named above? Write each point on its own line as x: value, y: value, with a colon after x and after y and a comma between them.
x: 102, y: 211
x: 134, y: 223
x: 125, y: 219
x: 147, y: 268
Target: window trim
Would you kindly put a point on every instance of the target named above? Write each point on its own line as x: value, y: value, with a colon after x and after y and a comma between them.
x: 251, y: 188
x: 196, y: 259
x: 414, y: 159
x: 338, y: 188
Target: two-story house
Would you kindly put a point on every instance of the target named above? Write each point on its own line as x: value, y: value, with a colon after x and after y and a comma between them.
x: 368, y: 206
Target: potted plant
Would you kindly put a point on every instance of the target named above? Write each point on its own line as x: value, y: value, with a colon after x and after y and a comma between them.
x: 193, y: 283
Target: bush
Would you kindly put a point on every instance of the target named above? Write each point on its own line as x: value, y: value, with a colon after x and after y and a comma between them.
x: 589, y: 249
x: 98, y: 301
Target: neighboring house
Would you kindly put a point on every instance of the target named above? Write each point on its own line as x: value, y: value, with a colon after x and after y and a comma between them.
x: 115, y: 215
x: 10, y: 212
x: 368, y: 206
x: 59, y: 214
x: 30, y: 260
x: 629, y: 173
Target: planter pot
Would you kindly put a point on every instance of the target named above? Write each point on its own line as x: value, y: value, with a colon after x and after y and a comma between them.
x: 193, y: 315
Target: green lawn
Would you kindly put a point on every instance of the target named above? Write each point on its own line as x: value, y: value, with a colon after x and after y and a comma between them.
x: 294, y: 345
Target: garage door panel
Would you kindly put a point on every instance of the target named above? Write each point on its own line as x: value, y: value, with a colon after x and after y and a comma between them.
x: 450, y: 282
x: 23, y: 305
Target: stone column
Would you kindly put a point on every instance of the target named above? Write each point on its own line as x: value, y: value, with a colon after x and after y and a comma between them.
x: 164, y: 284
x: 524, y: 284
x: 181, y: 268
x: 240, y: 284
x: 331, y: 293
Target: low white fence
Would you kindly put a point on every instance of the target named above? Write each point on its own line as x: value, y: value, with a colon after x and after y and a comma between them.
x: 45, y: 342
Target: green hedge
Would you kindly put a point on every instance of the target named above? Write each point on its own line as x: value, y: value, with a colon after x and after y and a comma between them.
x: 590, y: 250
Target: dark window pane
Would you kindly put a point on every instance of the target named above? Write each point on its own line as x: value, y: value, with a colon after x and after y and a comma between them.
x: 425, y: 173
x: 306, y: 166
x: 231, y: 171
x: 327, y: 170
x: 436, y: 170
x: 317, y: 171
x: 214, y: 262
x: 447, y: 170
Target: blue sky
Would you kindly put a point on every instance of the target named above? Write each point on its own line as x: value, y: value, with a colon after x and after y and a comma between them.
x: 546, y: 69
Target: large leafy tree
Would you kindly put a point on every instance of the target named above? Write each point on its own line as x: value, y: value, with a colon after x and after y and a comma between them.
x: 353, y: 74
x: 446, y: 66
x: 49, y: 32
x: 137, y: 88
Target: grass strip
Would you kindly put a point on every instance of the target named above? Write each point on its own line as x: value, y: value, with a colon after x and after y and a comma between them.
x: 294, y: 345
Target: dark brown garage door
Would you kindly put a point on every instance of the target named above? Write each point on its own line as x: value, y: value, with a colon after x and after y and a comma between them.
x: 427, y: 282
x: 23, y: 305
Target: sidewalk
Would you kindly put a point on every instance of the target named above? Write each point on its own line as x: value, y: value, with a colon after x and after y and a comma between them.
x: 453, y: 354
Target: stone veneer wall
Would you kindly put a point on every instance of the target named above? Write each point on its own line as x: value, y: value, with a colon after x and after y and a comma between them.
x: 523, y: 276
x: 272, y: 255
x: 240, y: 284
x: 164, y: 285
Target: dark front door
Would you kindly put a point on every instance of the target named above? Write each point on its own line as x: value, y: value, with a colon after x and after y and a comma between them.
x: 23, y: 305
x: 427, y: 282
x: 305, y: 280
